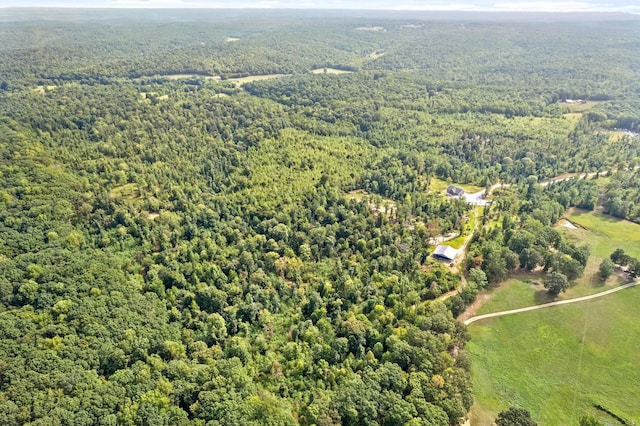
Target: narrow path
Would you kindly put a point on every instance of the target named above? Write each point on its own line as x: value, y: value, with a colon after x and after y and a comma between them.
x: 548, y: 305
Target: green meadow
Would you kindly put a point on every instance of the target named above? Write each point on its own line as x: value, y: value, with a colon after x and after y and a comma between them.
x: 559, y: 363
x: 605, y: 233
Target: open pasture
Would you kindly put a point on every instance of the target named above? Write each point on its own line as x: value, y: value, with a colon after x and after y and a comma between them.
x: 560, y: 362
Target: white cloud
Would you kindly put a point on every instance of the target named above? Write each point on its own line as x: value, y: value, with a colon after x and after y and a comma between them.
x: 630, y: 9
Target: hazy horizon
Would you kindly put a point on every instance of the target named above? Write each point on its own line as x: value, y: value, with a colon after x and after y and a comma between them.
x: 623, y: 6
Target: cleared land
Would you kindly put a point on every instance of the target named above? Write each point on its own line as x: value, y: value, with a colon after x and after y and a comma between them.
x: 578, y: 106
x: 551, y: 304
x: 44, y: 89
x: 376, y: 203
x: 605, y: 233
x: 560, y: 362
x: 186, y: 76
x: 248, y: 79
x: 574, y: 117
x: 622, y: 135
x: 461, y: 240
x: 330, y: 71
x: 438, y: 185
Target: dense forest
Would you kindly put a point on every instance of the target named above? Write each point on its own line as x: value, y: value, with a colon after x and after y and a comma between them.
x: 181, y: 247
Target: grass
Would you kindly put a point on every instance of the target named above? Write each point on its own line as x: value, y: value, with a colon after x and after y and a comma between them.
x: 129, y: 190
x: 602, y: 233
x: 577, y: 107
x: 330, y: 71
x: 537, y: 360
x: 377, y: 203
x: 517, y: 292
x: 439, y: 185
x: 358, y: 195
x: 605, y: 233
x: 559, y: 362
x: 44, y: 89
x: 456, y: 242
x: 573, y: 116
x: 187, y: 76
x: 248, y: 79
x: 616, y: 135
x: 459, y: 241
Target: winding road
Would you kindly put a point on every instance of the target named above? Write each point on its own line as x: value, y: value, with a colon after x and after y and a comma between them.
x: 549, y: 305
x: 477, y: 198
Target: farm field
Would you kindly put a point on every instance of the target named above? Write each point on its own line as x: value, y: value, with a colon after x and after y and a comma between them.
x: 536, y: 360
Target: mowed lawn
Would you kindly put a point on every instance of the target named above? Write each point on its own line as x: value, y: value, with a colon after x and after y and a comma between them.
x: 536, y: 360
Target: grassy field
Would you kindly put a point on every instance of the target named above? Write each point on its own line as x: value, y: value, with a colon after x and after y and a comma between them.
x: 579, y: 107
x: 129, y: 190
x: 438, y: 185
x: 44, y: 89
x: 605, y: 233
x: 616, y: 135
x: 330, y: 71
x: 188, y: 76
x: 602, y: 233
x: 559, y: 362
x: 248, y: 79
x: 573, y: 116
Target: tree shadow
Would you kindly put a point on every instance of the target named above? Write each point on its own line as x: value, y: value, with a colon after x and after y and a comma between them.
x: 542, y: 296
x: 597, y: 281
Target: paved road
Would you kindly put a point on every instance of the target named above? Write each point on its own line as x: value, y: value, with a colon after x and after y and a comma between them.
x: 548, y: 305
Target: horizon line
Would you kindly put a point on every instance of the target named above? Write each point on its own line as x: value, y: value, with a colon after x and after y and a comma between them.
x: 257, y: 7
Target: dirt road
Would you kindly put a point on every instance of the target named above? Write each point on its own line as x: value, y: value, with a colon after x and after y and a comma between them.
x: 549, y: 305
x: 477, y: 198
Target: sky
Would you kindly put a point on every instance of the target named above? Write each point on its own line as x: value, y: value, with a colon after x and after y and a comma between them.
x: 627, y: 6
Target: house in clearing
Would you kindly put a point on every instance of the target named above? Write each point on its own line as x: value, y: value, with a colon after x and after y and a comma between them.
x: 455, y: 191
x: 446, y: 253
